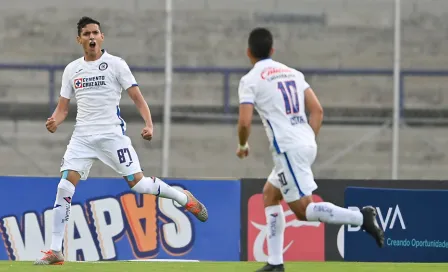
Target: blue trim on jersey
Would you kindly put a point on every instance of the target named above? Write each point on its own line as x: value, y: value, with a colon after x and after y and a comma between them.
x: 242, y: 103
x: 134, y: 85
x: 293, y: 176
x: 277, y: 148
x: 121, y: 119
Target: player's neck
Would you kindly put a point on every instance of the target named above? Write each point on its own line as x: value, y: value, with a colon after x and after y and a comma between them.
x: 93, y: 57
x: 255, y: 61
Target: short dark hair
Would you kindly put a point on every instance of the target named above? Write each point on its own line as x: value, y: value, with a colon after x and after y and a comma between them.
x: 85, y: 21
x: 260, y: 43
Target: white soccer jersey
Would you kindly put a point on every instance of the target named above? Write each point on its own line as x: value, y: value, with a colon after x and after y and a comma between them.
x: 278, y: 94
x: 97, y: 87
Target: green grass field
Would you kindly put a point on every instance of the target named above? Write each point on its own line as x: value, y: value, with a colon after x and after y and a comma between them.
x: 221, y: 267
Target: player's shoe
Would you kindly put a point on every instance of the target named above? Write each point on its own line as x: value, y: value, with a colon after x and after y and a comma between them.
x: 370, y: 225
x: 51, y: 258
x: 195, y: 207
x: 271, y: 267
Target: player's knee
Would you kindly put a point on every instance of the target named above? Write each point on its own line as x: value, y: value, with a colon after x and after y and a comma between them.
x: 66, y: 185
x: 299, y: 207
x: 133, y: 179
x: 271, y: 195
x: 72, y: 176
x: 301, y: 214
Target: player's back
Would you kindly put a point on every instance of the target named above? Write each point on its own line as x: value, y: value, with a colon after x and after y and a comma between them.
x: 279, y: 97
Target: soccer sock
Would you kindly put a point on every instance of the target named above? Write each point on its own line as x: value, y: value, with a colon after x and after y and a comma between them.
x: 156, y: 186
x: 275, y: 219
x: 61, y: 212
x: 329, y: 213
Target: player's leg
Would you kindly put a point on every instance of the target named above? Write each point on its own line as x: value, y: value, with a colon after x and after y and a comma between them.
x: 120, y: 155
x: 275, y: 219
x: 297, y: 191
x: 155, y: 186
x: 326, y: 212
x: 75, y: 165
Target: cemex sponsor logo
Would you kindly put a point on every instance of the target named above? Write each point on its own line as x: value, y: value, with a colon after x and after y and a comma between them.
x: 304, y: 241
x: 89, y: 82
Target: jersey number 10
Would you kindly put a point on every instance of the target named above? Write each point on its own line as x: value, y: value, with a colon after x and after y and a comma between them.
x: 289, y: 92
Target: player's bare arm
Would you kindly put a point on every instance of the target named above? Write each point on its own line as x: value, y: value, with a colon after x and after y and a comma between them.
x: 59, y: 114
x: 244, y: 125
x: 136, y: 95
x: 315, y: 110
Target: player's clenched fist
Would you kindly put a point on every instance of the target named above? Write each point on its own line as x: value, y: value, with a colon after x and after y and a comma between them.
x: 242, y: 151
x: 147, y: 133
x: 51, y: 125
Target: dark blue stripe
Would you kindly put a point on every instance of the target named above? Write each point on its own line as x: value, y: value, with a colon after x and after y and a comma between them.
x: 121, y: 119
x: 242, y: 103
x: 293, y: 176
x: 134, y: 85
x: 277, y: 148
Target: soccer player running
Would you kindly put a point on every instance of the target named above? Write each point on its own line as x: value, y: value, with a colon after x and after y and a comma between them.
x: 281, y: 96
x: 96, y: 80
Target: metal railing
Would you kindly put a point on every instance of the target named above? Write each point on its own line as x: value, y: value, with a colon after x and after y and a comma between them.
x: 226, y: 72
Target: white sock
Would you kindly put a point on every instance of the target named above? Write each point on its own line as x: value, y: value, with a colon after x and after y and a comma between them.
x: 61, y: 212
x: 275, y: 219
x: 329, y: 213
x: 157, y: 187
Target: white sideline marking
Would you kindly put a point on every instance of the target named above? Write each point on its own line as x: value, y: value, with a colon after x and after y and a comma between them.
x: 142, y: 260
x: 164, y: 260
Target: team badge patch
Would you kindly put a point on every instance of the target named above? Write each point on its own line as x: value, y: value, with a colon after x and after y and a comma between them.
x: 103, y: 66
x: 78, y: 83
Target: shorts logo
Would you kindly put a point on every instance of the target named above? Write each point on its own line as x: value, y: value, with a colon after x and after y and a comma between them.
x: 304, y: 241
x: 103, y: 66
x: 78, y: 83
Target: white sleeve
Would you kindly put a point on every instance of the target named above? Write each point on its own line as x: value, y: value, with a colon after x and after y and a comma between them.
x: 305, y: 83
x: 246, y: 92
x: 66, y: 86
x: 125, y: 76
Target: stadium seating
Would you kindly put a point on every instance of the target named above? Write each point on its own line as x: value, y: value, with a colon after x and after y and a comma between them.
x: 208, y: 151
x: 325, y: 34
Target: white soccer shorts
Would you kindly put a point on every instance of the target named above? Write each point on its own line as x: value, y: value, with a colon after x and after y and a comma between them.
x: 113, y: 149
x: 292, y: 173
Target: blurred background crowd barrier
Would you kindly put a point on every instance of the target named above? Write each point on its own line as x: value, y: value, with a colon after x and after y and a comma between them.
x: 344, y: 47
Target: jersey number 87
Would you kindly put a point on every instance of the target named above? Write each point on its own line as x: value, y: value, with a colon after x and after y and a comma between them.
x: 290, y: 96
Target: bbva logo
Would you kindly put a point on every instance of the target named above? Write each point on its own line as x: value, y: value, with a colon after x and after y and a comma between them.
x: 390, y: 219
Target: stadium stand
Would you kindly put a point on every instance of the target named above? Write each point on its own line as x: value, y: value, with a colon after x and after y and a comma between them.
x: 332, y: 34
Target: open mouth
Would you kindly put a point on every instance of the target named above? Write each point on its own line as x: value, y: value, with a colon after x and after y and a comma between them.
x: 92, y: 44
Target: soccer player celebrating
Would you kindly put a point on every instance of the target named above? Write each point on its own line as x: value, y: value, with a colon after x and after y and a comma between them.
x: 282, y: 97
x: 96, y: 80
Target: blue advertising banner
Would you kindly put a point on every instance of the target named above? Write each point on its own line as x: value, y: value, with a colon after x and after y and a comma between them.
x: 110, y: 222
x: 414, y: 223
